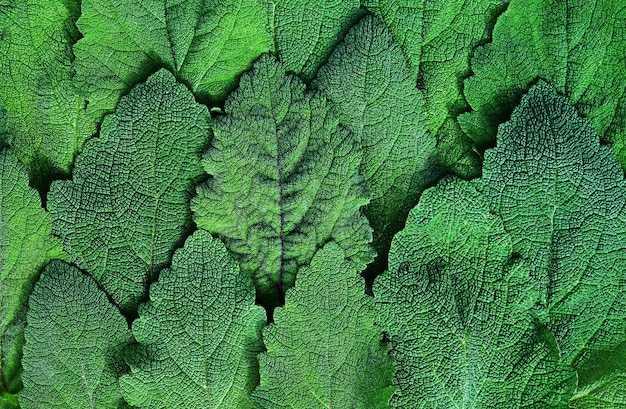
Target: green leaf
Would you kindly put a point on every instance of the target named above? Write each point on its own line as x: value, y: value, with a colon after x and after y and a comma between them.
x: 305, y: 31
x: 46, y: 119
x: 576, y: 46
x: 438, y: 37
x: 323, y: 351
x: 559, y: 194
x: 74, y: 341
x: 285, y: 179
x: 8, y: 401
x: 461, y: 314
x: 25, y: 247
x: 4, y: 136
x: 199, y: 334
x: 602, y: 381
x: 371, y: 87
x: 608, y: 393
x: 206, y: 43
x: 127, y: 208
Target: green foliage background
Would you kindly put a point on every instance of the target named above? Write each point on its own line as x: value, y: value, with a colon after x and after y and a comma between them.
x: 302, y: 204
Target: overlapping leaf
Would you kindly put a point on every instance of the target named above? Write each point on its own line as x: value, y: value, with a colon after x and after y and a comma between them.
x: 127, y: 208
x: 284, y: 179
x: 372, y: 88
x: 74, y: 343
x: 323, y: 351
x: 25, y: 247
x: 4, y: 136
x: 46, y: 119
x: 577, y: 46
x: 206, y: 43
x: 608, y: 393
x: 561, y: 195
x: 199, y: 334
x: 462, y: 316
x: 305, y: 31
x: 438, y: 38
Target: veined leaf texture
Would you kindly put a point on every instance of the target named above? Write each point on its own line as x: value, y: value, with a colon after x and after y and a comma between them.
x: 312, y: 204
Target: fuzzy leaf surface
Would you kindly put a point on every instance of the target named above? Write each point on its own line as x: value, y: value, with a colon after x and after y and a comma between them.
x: 462, y: 316
x: 4, y: 136
x: 561, y: 195
x: 323, y: 350
x: 305, y: 31
x: 46, y: 119
x: 576, y: 46
x: 285, y: 179
x: 126, y: 209
x: 607, y: 393
x: 372, y: 88
x: 199, y: 334
x: 438, y: 38
x: 74, y: 343
x: 25, y: 247
x: 206, y: 43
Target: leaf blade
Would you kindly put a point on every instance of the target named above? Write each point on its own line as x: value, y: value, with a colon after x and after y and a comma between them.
x: 206, y: 44
x: 461, y: 316
x: 126, y: 208
x: 46, y: 121
x: 199, y: 334
x: 323, y: 350
x: 295, y: 186
x: 578, y: 52
x: 373, y: 91
x: 74, y: 341
x: 25, y: 248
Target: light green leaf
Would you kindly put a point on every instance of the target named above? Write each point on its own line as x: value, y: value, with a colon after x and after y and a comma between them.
x: 576, y: 46
x: 285, y: 179
x: 25, y: 247
x: 461, y: 314
x: 323, y: 350
x: 438, y: 37
x: 206, y: 43
x: 560, y: 194
x: 199, y: 334
x: 46, y: 119
x: 127, y: 208
x: 305, y: 31
x: 74, y: 342
x: 371, y: 87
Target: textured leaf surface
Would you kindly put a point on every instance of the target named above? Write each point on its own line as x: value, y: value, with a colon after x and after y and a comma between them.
x: 561, y: 196
x: 25, y: 247
x: 127, y: 208
x: 461, y: 315
x: 577, y: 46
x: 285, y: 179
x: 602, y: 381
x: 74, y: 343
x: 323, y: 351
x: 371, y: 86
x: 305, y: 31
x: 8, y: 401
x: 4, y: 136
x: 608, y: 393
x: 206, y: 43
x: 438, y: 38
x: 199, y: 334
x: 46, y: 118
